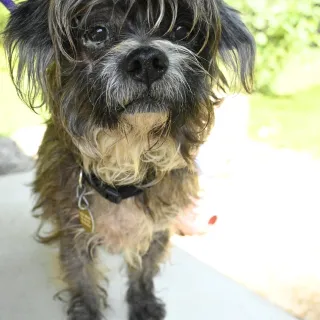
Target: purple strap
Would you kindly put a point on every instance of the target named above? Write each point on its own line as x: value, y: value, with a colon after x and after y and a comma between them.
x: 9, y: 4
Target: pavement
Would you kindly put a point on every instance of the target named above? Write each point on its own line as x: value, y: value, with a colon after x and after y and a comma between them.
x: 192, y: 289
x: 267, y: 234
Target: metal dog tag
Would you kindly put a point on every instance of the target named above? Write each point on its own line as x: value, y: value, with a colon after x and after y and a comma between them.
x: 86, y: 219
x: 85, y: 215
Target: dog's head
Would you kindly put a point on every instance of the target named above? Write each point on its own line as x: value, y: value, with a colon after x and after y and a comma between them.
x: 93, y: 62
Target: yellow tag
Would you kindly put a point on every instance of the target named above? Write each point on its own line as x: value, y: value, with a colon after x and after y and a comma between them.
x: 86, y: 219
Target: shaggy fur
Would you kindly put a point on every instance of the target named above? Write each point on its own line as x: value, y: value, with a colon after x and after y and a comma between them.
x: 73, y: 57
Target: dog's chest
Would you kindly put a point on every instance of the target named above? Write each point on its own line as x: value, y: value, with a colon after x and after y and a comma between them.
x: 123, y: 227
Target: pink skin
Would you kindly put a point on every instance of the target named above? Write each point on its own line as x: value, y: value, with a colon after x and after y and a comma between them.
x: 193, y: 223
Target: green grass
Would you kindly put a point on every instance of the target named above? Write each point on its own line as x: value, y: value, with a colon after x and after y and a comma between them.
x: 288, y: 122
x: 4, y: 14
x: 14, y: 114
x: 292, y: 119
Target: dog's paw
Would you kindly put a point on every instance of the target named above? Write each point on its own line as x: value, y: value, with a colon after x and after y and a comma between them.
x: 78, y: 310
x: 83, y: 314
x: 148, y: 310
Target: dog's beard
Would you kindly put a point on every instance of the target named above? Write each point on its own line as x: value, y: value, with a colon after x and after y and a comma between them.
x: 125, y: 155
x: 145, y: 104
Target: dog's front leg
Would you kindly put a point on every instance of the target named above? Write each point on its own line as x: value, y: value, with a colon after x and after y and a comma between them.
x: 143, y: 304
x: 77, y: 262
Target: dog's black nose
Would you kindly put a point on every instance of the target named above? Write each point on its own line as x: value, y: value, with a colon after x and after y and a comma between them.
x: 146, y: 64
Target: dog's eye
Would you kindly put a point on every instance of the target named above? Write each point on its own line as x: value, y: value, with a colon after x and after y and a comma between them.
x: 97, y: 34
x: 181, y: 32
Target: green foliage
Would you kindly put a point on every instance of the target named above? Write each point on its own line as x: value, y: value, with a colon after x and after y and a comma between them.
x: 282, y: 29
x: 290, y: 122
x: 4, y: 14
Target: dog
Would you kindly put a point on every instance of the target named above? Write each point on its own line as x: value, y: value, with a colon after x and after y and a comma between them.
x: 130, y: 87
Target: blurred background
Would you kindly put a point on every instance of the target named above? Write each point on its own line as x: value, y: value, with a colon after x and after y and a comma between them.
x: 260, y: 167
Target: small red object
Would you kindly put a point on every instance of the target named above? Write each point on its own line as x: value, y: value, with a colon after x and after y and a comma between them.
x: 213, y: 220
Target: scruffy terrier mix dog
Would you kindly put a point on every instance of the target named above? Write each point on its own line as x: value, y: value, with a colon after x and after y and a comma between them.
x: 131, y: 87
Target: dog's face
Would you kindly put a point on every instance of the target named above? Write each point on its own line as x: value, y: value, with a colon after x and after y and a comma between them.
x: 95, y: 61
x: 137, y: 58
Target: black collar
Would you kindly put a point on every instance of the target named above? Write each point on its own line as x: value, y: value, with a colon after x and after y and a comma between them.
x: 115, y: 195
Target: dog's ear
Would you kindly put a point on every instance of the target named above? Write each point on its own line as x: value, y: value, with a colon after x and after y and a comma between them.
x: 29, y: 49
x: 237, y: 46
